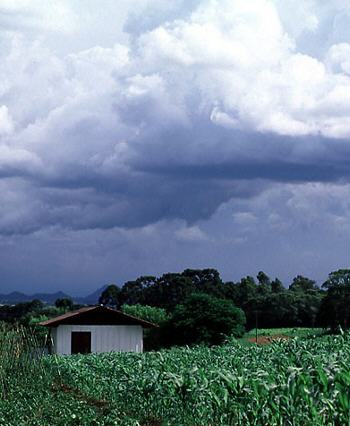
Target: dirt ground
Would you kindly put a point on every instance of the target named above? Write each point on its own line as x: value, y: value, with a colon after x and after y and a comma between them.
x: 266, y: 340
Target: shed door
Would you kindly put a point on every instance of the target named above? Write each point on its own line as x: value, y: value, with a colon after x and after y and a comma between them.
x: 81, y: 342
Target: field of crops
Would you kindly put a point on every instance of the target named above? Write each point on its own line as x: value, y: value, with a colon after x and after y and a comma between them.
x: 302, y: 381
x: 290, y: 332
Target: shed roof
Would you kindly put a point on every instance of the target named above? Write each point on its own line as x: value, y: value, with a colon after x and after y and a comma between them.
x: 96, y: 315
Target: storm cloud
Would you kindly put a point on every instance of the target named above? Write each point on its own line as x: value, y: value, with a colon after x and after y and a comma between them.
x: 212, y: 128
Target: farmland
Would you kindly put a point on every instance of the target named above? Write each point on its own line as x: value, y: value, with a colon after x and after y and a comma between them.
x: 302, y: 381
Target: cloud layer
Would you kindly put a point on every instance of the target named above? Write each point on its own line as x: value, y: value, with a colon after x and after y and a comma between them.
x: 167, y: 114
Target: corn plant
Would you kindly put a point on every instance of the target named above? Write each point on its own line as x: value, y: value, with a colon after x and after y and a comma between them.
x: 302, y: 381
x: 295, y: 382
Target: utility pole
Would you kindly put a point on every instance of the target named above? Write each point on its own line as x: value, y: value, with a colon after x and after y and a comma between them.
x: 256, y: 326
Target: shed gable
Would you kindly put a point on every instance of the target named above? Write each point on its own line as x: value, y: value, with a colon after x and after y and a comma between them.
x: 96, y: 315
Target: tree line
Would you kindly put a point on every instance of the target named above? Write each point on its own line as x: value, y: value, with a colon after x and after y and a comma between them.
x: 197, y: 306
x: 266, y: 302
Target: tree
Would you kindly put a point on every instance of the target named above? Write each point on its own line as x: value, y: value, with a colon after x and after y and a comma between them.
x: 158, y: 316
x: 273, y: 310
x: 205, y: 281
x: 303, y: 284
x: 35, y: 305
x: 204, y: 319
x: 264, y: 281
x: 65, y: 303
x: 110, y: 296
x: 147, y: 313
x: 134, y: 292
x: 169, y: 290
x: 334, y: 310
x: 246, y: 290
x: 277, y: 286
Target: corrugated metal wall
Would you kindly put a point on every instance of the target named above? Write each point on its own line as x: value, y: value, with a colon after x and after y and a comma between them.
x: 104, y: 338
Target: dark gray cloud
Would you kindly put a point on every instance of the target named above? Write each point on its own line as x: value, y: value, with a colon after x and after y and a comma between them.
x: 171, y: 139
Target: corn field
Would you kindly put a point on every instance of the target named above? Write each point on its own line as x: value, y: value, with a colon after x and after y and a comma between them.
x: 20, y: 358
x: 302, y: 381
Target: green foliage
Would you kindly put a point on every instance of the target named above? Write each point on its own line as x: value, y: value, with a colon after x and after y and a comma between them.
x: 277, y: 286
x: 22, y: 373
x: 204, y: 319
x: 65, y: 303
x: 303, y: 284
x: 334, y: 311
x: 110, y: 296
x: 276, y: 305
x: 21, y: 311
x: 151, y: 337
x: 135, y: 292
x: 171, y: 289
x: 295, y: 383
x: 291, y: 332
x: 147, y: 313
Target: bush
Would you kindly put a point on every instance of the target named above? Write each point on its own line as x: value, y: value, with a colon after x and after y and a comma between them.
x: 147, y: 313
x: 203, y: 319
x: 158, y: 316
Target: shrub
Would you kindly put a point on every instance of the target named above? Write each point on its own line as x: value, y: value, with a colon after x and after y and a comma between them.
x: 203, y: 319
x: 147, y: 313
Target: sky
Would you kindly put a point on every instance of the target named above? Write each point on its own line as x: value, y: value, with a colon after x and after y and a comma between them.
x: 147, y: 136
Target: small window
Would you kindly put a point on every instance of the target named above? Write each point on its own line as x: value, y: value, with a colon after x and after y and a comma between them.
x: 81, y: 342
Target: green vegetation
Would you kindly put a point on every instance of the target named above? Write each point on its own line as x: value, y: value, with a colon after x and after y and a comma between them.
x: 334, y: 311
x: 202, y: 319
x: 30, y: 313
x: 296, y: 382
x: 300, y: 381
x: 32, y: 392
x: 290, y: 332
x: 147, y: 313
x: 275, y: 305
x: 65, y: 304
x: 262, y: 299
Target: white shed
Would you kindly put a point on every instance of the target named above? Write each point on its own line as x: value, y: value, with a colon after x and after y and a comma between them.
x: 96, y: 329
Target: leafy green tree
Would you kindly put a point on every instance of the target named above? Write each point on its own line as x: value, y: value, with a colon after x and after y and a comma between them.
x: 169, y: 290
x: 308, y: 306
x: 273, y: 310
x: 247, y: 290
x: 204, y: 319
x: 147, y: 313
x: 303, y: 284
x: 334, y: 310
x: 205, y: 281
x: 264, y: 281
x: 277, y: 286
x: 135, y: 291
x: 231, y: 291
x: 110, y: 296
x: 65, y: 304
x: 159, y: 316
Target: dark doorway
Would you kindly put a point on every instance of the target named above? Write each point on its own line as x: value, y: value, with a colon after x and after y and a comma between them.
x: 81, y: 342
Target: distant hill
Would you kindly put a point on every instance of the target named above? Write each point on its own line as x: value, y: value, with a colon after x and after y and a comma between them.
x: 49, y: 298
x: 17, y: 297
x: 91, y: 299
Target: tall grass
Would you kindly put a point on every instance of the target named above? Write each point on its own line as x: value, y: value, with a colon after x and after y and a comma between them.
x: 20, y: 359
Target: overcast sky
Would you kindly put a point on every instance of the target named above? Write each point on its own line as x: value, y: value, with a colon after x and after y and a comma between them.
x: 147, y: 136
